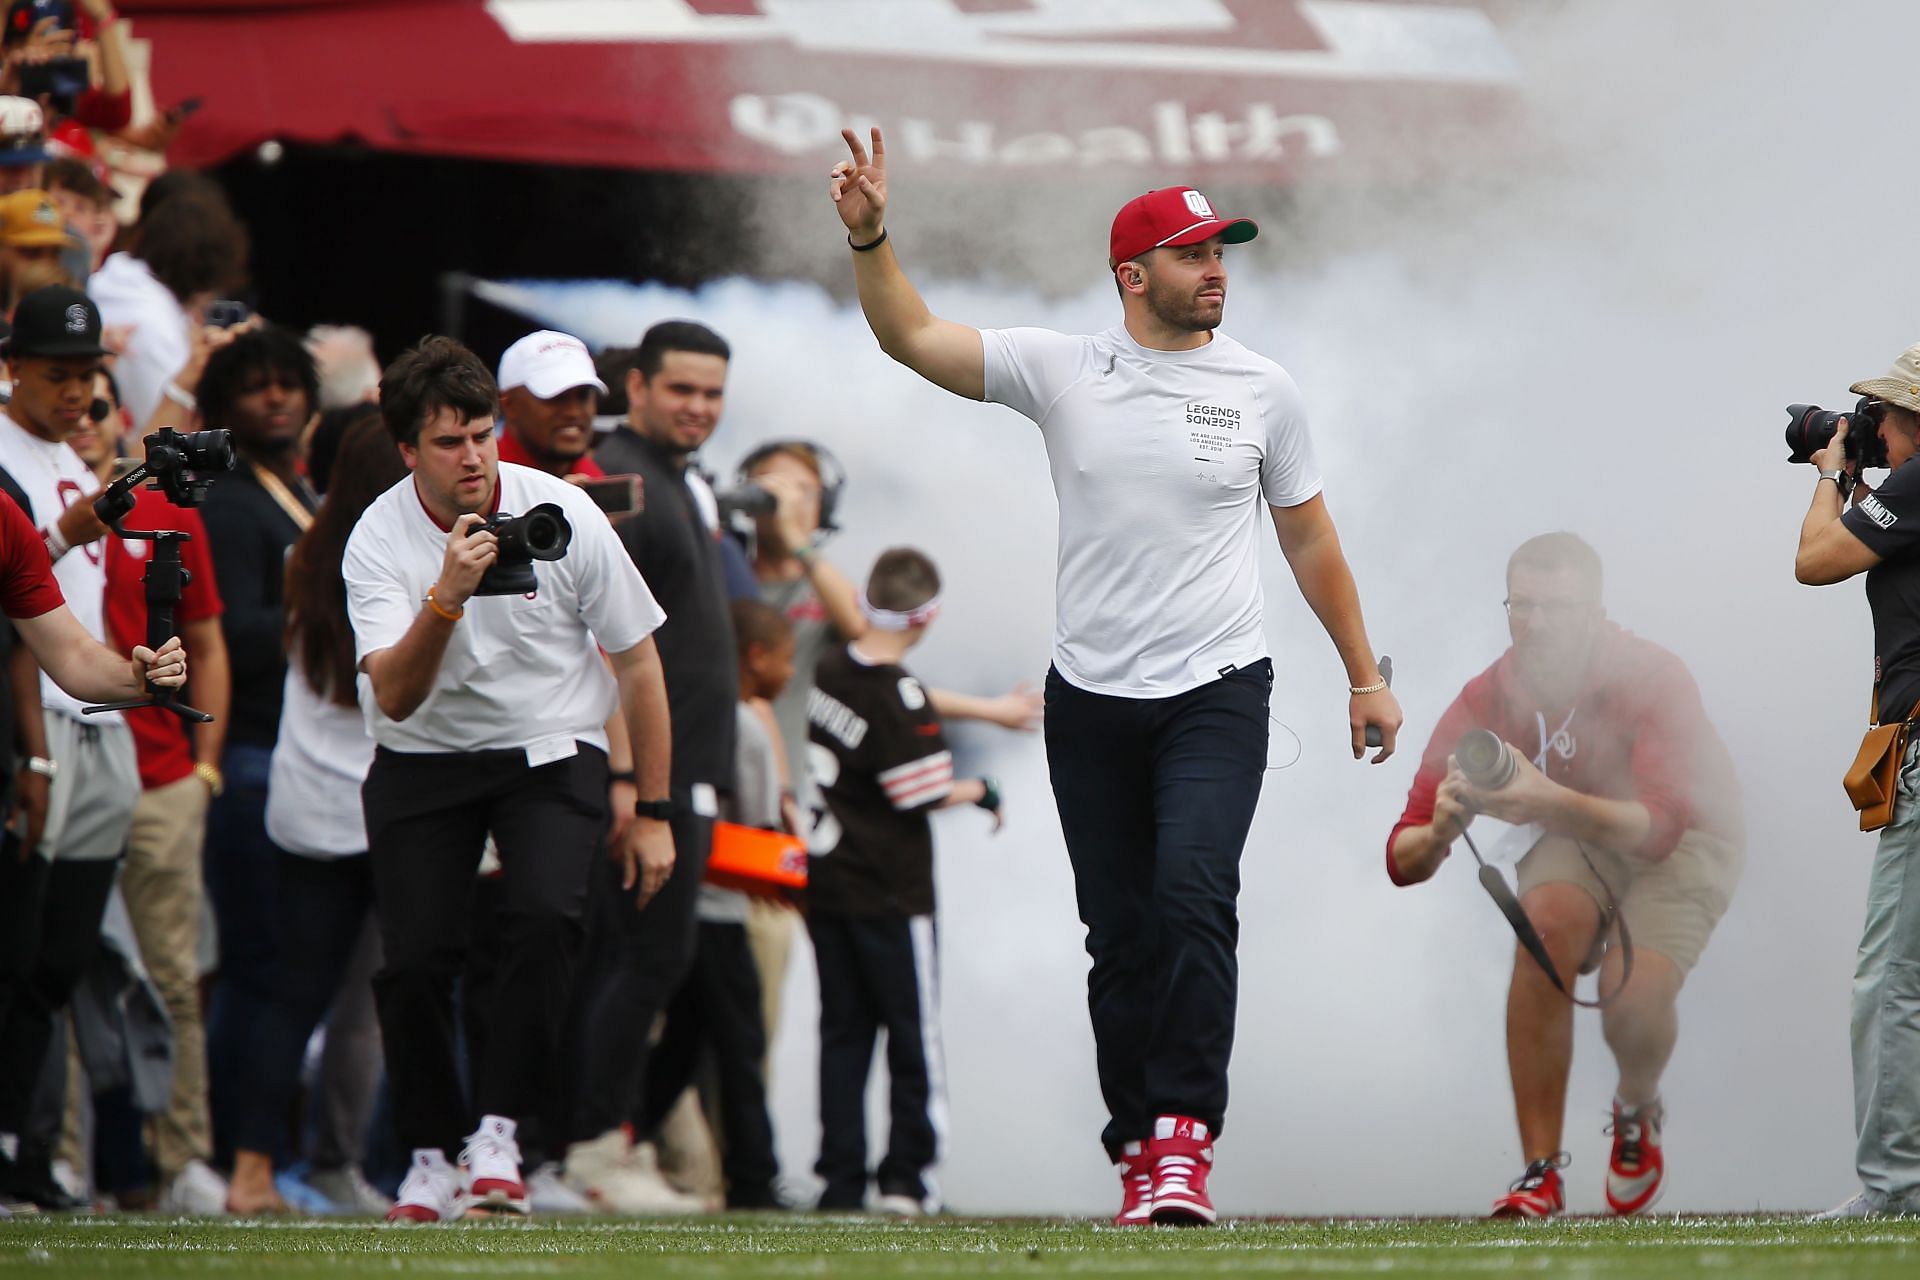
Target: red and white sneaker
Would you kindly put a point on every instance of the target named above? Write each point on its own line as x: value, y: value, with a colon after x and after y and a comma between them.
x: 492, y: 1161
x: 1136, y: 1186
x: 431, y: 1191
x: 1638, y: 1168
x: 1538, y: 1193
x: 1181, y: 1153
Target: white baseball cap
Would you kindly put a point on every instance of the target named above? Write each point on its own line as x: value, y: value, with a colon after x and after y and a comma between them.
x: 548, y: 363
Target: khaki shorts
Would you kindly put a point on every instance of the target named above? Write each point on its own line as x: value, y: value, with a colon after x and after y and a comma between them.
x: 1670, y: 906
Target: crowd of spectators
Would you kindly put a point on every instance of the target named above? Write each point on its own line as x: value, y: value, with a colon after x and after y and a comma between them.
x: 210, y: 1037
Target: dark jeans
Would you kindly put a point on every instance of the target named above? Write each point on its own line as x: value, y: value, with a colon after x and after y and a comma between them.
x: 1155, y: 798
x: 324, y: 904
x: 877, y: 973
x: 49, y: 929
x: 242, y: 869
x: 637, y: 961
x: 718, y: 1008
x: 428, y: 817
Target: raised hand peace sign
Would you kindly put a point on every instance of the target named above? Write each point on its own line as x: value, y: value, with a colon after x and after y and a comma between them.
x: 859, y: 187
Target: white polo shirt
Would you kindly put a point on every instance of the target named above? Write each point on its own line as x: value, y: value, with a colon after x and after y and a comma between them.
x: 518, y: 671
x: 52, y: 476
x: 1163, y: 463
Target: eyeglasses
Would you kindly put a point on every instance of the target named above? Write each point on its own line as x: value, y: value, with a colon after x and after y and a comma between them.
x: 1547, y: 610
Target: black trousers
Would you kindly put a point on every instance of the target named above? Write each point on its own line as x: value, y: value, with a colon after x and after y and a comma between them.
x: 878, y: 973
x: 637, y: 960
x: 718, y: 1009
x: 428, y: 817
x: 1155, y: 798
x: 49, y: 928
x: 323, y: 904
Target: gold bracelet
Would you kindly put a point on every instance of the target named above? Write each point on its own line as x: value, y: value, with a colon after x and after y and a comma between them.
x: 211, y: 775
x: 1377, y: 687
x: 434, y: 605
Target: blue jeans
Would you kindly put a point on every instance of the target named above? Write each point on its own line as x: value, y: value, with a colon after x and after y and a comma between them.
x: 243, y: 876
x: 1886, y: 1007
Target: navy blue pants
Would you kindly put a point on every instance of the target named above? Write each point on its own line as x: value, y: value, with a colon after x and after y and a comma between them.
x: 1155, y: 797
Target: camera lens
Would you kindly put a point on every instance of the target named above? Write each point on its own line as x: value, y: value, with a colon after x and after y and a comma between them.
x: 1485, y: 759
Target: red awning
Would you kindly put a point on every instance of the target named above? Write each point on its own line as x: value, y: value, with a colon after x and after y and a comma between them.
x: 1043, y: 89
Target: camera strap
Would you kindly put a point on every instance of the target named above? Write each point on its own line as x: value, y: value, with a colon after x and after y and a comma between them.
x: 1503, y: 896
x: 297, y: 511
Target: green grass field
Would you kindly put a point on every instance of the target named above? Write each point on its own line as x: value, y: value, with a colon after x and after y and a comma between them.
x: 815, y: 1246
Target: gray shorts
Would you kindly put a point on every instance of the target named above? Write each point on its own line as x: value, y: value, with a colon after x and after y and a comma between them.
x: 1671, y: 906
x: 90, y: 805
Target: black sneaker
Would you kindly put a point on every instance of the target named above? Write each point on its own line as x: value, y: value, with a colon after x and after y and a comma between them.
x: 27, y: 1177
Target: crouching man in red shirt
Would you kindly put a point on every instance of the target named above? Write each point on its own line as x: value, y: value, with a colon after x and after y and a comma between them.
x: 1626, y: 800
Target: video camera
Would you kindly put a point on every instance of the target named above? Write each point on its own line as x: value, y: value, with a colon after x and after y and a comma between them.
x: 177, y: 462
x: 1810, y: 428
x: 541, y: 534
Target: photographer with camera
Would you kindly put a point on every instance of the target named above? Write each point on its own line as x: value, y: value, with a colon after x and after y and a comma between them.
x: 488, y: 695
x: 1876, y: 536
x: 1624, y: 799
x: 79, y: 782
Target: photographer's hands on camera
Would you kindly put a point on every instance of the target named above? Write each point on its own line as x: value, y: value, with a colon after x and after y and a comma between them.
x: 1833, y: 457
x: 1526, y: 799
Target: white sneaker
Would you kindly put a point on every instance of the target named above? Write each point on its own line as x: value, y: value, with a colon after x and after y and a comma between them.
x: 196, y: 1191
x: 491, y: 1159
x: 897, y: 1204
x: 620, y: 1178
x: 1867, y: 1204
x: 71, y: 1180
x: 548, y: 1192
x: 348, y: 1190
x: 431, y: 1192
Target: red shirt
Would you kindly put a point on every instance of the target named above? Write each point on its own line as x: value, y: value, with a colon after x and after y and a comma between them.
x: 159, y: 737
x: 1637, y: 732
x: 511, y: 451
x: 27, y: 588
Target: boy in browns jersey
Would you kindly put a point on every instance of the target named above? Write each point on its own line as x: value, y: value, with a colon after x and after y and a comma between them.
x: 881, y: 764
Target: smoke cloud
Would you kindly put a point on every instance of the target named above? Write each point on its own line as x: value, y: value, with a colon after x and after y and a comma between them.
x: 1696, y: 214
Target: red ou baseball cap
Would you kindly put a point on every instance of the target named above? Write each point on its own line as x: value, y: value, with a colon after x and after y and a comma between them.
x: 1171, y: 216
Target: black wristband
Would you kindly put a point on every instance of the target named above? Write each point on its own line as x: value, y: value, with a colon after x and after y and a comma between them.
x: 624, y: 775
x: 870, y: 245
x: 990, y: 801
x: 659, y: 810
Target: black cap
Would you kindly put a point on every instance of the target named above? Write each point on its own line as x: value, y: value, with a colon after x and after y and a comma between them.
x: 55, y: 322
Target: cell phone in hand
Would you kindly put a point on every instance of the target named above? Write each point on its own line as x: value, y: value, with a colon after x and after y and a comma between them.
x: 615, y: 495
x: 180, y: 111
x: 224, y: 313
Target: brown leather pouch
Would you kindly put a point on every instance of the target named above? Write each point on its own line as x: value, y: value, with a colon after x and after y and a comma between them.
x: 1874, y: 778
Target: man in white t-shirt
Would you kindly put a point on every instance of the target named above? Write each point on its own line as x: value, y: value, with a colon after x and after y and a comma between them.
x: 488, y: 703
x: 1164, y: 439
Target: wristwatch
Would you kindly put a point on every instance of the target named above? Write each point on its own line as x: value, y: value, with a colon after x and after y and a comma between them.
x: 1838, y: 476
x: 660, y: 810
x: 48, y: 769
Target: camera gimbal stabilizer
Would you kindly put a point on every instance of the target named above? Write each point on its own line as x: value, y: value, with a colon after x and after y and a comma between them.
x: 174, y: 462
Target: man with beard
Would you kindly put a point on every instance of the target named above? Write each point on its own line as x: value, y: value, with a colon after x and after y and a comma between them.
x: 1625, y: 799
x: 548, y: 391
x: 675, y: 393
x: 1164, y: 438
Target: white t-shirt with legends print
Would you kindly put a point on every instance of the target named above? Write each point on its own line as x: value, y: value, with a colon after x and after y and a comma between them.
x: 1163, y: 463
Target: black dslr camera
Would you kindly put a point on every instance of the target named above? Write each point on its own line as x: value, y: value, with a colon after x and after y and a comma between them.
x: 1809, y: 428
x: 541, y: 534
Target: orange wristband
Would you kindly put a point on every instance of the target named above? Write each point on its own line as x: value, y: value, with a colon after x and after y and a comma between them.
x: 434, y: 605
